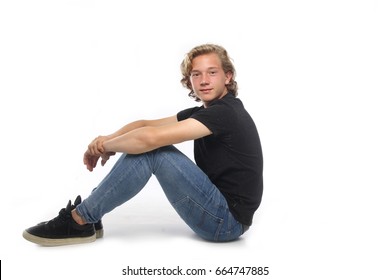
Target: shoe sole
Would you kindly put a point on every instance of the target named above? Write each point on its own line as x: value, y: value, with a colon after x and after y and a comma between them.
x: 58, y: 242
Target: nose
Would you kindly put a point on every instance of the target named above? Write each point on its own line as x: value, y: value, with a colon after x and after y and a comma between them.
x: 204, y: 80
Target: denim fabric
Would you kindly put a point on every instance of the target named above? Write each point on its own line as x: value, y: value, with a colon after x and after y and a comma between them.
x: 194, y: 197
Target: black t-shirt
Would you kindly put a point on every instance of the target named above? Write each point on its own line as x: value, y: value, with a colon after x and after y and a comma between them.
x: 231, y: 156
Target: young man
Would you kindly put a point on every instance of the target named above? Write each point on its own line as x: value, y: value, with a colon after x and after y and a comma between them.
x: 217, y: 197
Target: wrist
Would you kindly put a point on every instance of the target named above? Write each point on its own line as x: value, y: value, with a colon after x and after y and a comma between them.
x: 107, y: 147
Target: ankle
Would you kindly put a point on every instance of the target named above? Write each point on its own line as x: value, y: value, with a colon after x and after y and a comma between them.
x: 77, y: 218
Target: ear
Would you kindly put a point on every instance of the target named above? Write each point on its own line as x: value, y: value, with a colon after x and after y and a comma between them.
x: 229, y: 76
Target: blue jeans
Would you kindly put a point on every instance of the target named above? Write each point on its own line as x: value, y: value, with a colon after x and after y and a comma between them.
x: 189, y: 190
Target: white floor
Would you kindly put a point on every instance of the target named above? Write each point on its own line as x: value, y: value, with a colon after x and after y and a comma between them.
x: 307, y: 242
x: 144, y: 232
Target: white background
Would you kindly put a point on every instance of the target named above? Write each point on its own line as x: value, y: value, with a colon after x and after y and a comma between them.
x: 313, y: 74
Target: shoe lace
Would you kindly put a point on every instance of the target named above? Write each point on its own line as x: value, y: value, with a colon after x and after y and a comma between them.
x: 63, y: 215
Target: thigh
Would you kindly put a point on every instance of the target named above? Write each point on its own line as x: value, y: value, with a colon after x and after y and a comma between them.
x: 195, y: 198
x: 180, y: 178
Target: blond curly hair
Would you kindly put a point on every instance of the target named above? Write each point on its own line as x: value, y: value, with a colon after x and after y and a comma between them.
x: 227, y: 66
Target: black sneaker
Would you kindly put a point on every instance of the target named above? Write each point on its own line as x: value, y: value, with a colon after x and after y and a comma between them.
x: 62, y: 230
x: 99, y: 229
x: 98, y: 225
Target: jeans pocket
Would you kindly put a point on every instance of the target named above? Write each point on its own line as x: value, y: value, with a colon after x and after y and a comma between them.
x: 201, y: 221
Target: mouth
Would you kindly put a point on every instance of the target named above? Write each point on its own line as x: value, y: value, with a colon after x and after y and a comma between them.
x: 206, y: 90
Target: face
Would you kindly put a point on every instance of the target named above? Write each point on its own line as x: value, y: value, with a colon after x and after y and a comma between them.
x: 208, y: 79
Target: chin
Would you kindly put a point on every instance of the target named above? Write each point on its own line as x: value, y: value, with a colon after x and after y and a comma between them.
x: 207, y: 100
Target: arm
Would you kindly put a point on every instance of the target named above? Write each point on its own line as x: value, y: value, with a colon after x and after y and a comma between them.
x: 96, y: 150
x: 148, y: 138
x: 142, y: 123
x: 143, y: 136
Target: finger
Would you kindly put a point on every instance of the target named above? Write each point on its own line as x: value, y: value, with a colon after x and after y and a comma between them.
x: 105, y: 158
x: 93, y: 151
x: 90, y: 150
x: 95, y: 161
x: 88, y: 165
x: 100, y: 149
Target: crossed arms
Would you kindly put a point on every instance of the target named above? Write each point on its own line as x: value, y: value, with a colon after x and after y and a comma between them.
x: 142, y: 136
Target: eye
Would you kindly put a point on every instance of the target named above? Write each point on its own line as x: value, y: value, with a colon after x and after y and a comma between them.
x: 195, y: 74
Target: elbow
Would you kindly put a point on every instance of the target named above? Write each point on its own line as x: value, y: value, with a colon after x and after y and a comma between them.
x: 148, y: 140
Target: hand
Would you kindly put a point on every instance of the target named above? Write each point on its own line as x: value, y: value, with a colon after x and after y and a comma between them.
x: 91, y: 160
x: 96, y: 146
x: 105, y: 157
x: 96, y: 151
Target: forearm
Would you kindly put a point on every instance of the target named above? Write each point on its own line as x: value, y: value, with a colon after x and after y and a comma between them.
x: 138, y: 137
x: 133, y: 138
x: 127, y: 128
x: 135, y: 141
x: 142, y: 123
